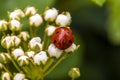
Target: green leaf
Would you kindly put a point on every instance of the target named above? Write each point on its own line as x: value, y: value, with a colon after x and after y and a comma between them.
x: 99, y: 2
x: 114, y: 22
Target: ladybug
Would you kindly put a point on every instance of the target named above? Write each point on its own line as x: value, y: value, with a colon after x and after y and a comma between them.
x: 62, y: 38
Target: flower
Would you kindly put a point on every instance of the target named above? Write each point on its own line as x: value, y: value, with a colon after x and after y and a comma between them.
x: 74, y: 73
x: 1, y: 65
x: 16, y: 40
x: 29, y: 11
x: 63, y: 19
x: 23, y: 60
x: 50, y: 14
x: 24, y: 35
x: 54, y: 51
x: 30, y: 54
x: 3, y: 25
x: 16, y: 14
x: 40, y: 57
x: 5, y: 76
x: 35, y: 44
x: 19, y: 76
x: 72, y: 48
x: 35, y: 20
x: 15, y: 25
x: 7, y: 42
x: 17, y: 52
x: 50, y: 30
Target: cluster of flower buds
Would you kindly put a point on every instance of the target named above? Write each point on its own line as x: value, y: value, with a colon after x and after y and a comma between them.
x: 31, y: 56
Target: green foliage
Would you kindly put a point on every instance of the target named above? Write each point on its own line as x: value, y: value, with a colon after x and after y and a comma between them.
x: 99, y: 2
x: 114, y: 21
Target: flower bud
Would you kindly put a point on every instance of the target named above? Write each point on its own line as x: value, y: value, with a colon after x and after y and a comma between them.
x: 29, y: 11
x: 20, y: 13
x: 72, y: 48
x: 4, y: 58
x: 35, y: 44
x: 63, y: 19
x: 19, y: 76
x: 16, y: 40
x: 24, y: 36
x: 40, y: 57
x: 54, y: 51
x: 7, y: 42
x: 30, y: 54
x: 15, y: 25
x: 35, y: 20
x: 50, y: 30
x: 74, y: 73
x: 1, y: 66
x: 3, y: 25
x: 17, y: 52
x: 5, y: 76
x: 23, y: 60
x: 50, y: 14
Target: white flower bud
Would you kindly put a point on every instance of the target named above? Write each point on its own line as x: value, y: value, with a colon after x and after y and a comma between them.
x: 6, y: 76
x: 74, y: 73
x: 51, y: 14
x: 40, y: 57
x: 50, y: 30
x: 7, y: 42
x: 16, y: 40
x: 18, y: 52
x: 30, y: 54
x: 35, y: 44
x: 72, y: 48
x: 3, y: 25
x: 15, y: 25
x: 29, y: 11
x: 20, y: 13
x: 19, y: 76
x: 14, y: 16
x: 54, y: 51
x: 63, y: 19
x: 23, y: 60
x: 35, y: 20
x: 24, y: 35
x: 1, y: 65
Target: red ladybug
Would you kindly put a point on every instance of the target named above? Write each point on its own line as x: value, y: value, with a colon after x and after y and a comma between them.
x: 63, y: 38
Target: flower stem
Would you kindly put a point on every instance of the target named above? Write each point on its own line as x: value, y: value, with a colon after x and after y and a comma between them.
x: 55, y: 65
x: 7, y: 70
x: 31, y: 32
x: 16, y: 66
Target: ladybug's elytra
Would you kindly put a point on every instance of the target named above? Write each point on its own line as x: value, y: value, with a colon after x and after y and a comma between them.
x: 63, y: 38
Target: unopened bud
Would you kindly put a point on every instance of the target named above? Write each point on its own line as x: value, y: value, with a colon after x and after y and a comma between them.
x: 24, y: 36
x: 50, y: 30
x: 3, y: 25
x: 74, y: 73
x: 29, y: 11
x: 19, y: 76
x: 23, y: 60
x: 5, y: 76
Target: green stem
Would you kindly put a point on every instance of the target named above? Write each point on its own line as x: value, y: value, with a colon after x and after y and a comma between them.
x: 55, y: 65
x: 31, y: 31
x: 16, y: 66
x: 51, y: 60
x: 44, y: 41
x: 7, y: 71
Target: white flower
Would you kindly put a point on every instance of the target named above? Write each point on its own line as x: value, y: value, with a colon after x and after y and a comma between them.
x: 16, y: 40
x: 54, y: 51
x: 30, y: 54
x: 72, y: 48
x: 35, y: 20
x: 3, y: 25
x: 23, y: 60
x: 35, y: 44
x: 40, y: 57
x: 7, y: 42
x: 16, y: 14
x: 15, y: 25
x: 24, y: 35
x: 6, y: 76
x: 63, y: 19
x: 19, y: 76
x: 17, y: 52
x: 29, y: 11
x: 1, y: 65
x: 50, y: 30
x: 51, y: 14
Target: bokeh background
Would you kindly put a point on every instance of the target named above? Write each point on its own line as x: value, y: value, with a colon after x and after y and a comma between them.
x: 96, y: 29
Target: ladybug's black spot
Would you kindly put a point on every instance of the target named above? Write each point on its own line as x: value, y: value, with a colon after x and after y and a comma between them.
x: 57, y: 32
x: 70, y: 41
x: 54, y: 41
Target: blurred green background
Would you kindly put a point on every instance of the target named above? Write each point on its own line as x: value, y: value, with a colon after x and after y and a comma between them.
x: 97, y: 30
